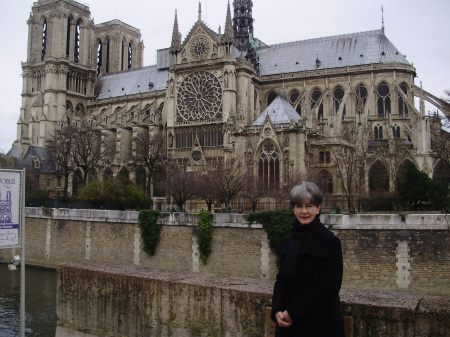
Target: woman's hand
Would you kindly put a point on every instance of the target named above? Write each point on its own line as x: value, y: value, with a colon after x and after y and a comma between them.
x: 283, y: 319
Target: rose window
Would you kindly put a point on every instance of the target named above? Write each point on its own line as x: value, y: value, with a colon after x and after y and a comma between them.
x: 199, y: 48
x: 196, y: 155
x: 199, y: 98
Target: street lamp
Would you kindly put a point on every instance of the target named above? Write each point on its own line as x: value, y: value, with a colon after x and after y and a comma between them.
x: 56, y: 198
x: 227, y: 189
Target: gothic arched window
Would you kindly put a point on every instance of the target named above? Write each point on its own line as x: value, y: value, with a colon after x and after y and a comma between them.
x: 44, y: 40
x: 378, y: 132
x: 141, y: 177
x: 269, y: 166
x: 402, y: 107
x: 108, y: 174
x: 122, y: 56
x: 325, y: 182
x: 441, y: 174
x: 361, y: 98
x: 384, y: 99
x: 68, y: 38
x: 99, y: 57
x: 130, y: 55
x: 396, y: 131
x: 76, y: 51
x: 295, y: 99
x: 315, y: 98
x: 124, y: 172
x: 338, y: 96
x: 107, y: 56
x: 271, y: 97
x: 378, y: 177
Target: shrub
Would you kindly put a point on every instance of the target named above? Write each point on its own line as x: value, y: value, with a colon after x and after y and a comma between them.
x: 204, y: 235
x: 150, y: 230
x: 118, y: 190
x: 277, y: 224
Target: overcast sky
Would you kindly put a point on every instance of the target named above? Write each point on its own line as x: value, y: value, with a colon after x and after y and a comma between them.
x: 419, y: 29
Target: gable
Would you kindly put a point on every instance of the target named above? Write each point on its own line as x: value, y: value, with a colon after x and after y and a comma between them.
x: 200, y: 44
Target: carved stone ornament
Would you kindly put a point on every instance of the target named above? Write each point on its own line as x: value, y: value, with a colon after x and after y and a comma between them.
x: 199, y: 98
x: 199, y: 48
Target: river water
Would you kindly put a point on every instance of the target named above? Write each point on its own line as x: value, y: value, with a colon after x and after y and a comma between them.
x: 40, y: 302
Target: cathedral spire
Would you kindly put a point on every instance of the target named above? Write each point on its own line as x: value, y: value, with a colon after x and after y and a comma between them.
x: 199, y: 11
x: 176, y: 37
x: 228, y: 36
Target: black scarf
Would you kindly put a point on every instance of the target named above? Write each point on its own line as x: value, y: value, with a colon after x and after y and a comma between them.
x: 299, y: 233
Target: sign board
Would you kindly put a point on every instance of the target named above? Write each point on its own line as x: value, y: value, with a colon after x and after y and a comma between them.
x: 12, y: 188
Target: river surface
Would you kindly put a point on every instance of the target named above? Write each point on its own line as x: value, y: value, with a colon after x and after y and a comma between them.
x: 40, y: 302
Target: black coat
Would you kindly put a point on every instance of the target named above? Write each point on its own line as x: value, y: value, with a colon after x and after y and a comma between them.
x: 308, y: 283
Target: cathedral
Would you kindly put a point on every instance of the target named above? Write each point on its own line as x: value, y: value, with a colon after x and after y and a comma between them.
x: 284, y: 111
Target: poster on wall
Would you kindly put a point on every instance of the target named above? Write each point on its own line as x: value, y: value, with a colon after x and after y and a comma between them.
x: 11, y: 208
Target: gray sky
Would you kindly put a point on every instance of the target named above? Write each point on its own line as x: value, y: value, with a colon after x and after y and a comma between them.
x: 419, y: 29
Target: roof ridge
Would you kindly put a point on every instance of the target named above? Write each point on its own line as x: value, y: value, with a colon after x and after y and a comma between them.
x: 128, y: 70
x: 326, y: 38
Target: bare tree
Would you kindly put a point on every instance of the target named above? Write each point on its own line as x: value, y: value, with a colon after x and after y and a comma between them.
x: 282, y: 193
x: 60, y: 146
x: 87, y: 152
x: 253, y: 190
x: 180, y: 184
x: 150, y: 152
x: 205, y: 189
x: 228, y: 179
x: 447, y: 93
x: 344, y: 156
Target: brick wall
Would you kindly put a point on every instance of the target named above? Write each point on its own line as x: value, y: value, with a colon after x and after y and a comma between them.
x: 380, y: 251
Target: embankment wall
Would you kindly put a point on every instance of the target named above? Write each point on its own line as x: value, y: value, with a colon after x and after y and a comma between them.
x: 98, y: 299
x: 381, y: 252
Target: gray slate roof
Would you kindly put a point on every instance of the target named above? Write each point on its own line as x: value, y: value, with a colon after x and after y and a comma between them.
x: 47, y: 163
x: 363, y: 48
x: 280, y: 111
x: 131, y: 82
x: 353, y: 49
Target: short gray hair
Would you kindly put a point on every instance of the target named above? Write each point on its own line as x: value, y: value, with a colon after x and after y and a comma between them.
x: 306, y: 191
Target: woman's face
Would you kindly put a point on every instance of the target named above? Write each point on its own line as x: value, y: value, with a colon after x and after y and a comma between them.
x: 306, y: 212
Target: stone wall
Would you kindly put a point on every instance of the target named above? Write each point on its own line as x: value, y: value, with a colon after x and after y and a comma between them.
x: 98, y: 299
x: 381, y: 252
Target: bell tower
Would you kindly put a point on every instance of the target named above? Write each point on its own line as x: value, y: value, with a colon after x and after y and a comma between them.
x: 58, y: 75
x: 243, y: 23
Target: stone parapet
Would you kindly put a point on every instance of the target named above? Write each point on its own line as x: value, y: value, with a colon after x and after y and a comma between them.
x: 98, y: 299
x: 339, y: 221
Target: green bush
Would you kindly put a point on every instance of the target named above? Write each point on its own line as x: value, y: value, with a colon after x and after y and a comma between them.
x: 150, y: 230
x: 204, y: 235
x: 420, y: 191
x: 120, y: 189
x: 277, y: 224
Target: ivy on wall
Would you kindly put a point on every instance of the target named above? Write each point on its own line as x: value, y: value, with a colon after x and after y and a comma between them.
x: 150, y: 230
x: 277, y: 224
x: 204, y: 237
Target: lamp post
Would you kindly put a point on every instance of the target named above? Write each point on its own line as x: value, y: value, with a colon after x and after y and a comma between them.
x: 56, y: 198
x: 227, y: 189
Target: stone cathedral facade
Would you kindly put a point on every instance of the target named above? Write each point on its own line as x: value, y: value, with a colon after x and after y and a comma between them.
x: 278, y: 109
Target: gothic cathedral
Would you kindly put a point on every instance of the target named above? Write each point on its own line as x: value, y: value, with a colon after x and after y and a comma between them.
x: 281, y: 110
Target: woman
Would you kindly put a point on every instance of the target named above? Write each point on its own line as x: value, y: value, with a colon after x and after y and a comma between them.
x: 305, y: 298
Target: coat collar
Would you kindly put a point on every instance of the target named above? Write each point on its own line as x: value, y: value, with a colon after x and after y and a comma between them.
x: 317, y: 242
